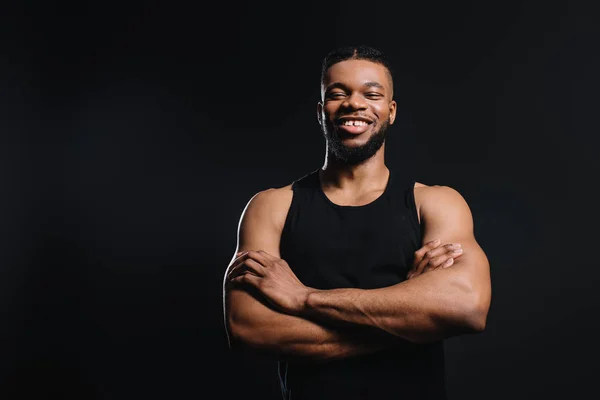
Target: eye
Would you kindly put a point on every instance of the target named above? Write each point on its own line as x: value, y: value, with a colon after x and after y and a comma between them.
x: 335, y: 95
x: 373, y: 95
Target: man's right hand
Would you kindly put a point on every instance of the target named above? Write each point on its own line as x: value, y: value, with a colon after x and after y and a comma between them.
x: 433, y: 256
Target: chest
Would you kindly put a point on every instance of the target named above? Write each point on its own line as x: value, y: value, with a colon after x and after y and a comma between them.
x: 364, y: 248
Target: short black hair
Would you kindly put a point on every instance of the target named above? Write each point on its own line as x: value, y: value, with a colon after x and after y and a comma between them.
x: 356, y: 53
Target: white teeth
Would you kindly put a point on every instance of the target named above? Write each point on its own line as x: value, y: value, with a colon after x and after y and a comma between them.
x: 355, y: 123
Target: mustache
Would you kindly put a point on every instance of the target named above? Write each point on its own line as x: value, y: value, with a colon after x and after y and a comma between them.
x: 360, y: 115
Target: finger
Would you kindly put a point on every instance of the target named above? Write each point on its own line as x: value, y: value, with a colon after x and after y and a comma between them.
x: 240, y: 254
x: 441, y: 250
x: 242, y: 269
x: 234, y: 271
x: 419, y: 254
x: 247, y: 278
x: 268, y: 256
x: 238, y: 261
x: 428, y: 252
x: 438, y: 258
x: 428, y: 257
x: 248, y: 265
x: 455, y: 254
x: 433, y: 258
x: 260, y: 256
x: 448, y: 262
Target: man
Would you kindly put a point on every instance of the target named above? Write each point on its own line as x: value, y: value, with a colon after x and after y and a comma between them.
x: 353, y: 275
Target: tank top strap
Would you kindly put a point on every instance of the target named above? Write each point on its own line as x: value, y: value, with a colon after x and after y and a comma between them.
x: 309, y: 181
x: 401, y: 191
x: 398, y: 185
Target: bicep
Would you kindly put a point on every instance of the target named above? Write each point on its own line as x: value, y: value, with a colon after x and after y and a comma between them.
x: 258, y: 229
x: 447, y: 216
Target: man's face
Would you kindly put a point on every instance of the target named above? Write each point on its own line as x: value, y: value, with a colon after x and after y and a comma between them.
x: 356, y: 109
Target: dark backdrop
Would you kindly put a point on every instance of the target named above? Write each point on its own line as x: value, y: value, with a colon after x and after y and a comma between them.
x: 133, y: 135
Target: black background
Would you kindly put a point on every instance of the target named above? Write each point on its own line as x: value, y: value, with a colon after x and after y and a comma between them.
x: 134, y: 133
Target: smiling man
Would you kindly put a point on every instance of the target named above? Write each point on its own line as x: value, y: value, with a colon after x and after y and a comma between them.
x: 353, y: 275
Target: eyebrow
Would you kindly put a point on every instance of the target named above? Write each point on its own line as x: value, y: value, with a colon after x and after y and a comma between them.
x: 339, y: 85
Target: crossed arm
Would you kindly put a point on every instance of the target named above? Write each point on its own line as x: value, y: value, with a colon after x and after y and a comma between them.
x: 268, y: 308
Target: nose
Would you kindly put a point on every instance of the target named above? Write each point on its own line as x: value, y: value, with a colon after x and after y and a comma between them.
x: 355, y: 101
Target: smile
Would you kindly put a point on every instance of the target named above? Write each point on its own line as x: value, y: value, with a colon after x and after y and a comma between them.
x: 354, y: 126
x: 354, y: 123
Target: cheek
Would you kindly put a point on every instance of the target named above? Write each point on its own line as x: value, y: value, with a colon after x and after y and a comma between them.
x: 381, y: 111
x: 328, y: 112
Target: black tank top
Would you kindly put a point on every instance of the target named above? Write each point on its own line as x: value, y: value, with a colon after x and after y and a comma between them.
x: 332, y: 246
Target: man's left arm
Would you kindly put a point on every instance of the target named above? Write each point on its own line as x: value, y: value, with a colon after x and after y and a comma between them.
x: 437, y: 304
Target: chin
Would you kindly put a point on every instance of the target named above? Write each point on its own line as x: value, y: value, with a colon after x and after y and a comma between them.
x: 353, y: 144
x: 356, y: 140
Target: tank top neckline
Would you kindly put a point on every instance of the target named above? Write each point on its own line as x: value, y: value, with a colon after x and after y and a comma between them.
x: 347, y: 207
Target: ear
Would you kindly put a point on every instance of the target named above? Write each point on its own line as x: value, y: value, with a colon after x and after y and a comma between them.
x: 320, y: 112
x: 392, y: 111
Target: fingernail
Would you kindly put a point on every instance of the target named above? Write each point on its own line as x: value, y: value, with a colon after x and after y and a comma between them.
x: 457, y: 251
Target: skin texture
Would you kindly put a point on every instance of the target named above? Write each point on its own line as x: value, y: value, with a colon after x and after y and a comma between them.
x: 447, y: 292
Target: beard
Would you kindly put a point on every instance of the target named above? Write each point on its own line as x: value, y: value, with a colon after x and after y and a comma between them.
x: 355, y: 155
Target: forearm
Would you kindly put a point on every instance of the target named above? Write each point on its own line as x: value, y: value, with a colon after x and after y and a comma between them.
x: 252, y: 323
x: 429, y: 307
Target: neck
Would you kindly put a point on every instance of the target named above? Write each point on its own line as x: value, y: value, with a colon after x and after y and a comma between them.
x: 371, y: 172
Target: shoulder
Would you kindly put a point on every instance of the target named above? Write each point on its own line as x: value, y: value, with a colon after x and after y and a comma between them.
x: 272, y: 197
x: 438, y: 199
x: 270, y: 204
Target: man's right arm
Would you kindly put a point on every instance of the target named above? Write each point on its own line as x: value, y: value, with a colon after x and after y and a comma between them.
x: 251, y: 322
